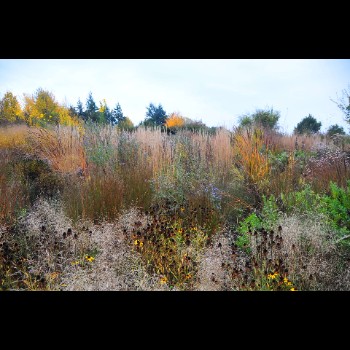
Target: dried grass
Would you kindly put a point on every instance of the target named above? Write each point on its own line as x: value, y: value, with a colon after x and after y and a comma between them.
x: 62, y: 147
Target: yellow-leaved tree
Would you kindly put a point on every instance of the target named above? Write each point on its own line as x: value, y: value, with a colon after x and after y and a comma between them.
x: 126, y: 124
x: 10, y: 109
x: 42, y: 109
x: 174, y: 121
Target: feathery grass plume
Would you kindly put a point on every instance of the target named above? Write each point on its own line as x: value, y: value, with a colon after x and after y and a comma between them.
x: 61, y: 146
x: 326, y: 166
x: 290, y: 143
x: 13, y: 136
x: 14, y: 196
x: 251, y: 157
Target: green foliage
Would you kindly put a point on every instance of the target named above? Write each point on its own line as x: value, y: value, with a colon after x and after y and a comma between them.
x: 267, y: 119
x: 126, y: 124
x: 155, y: 116
x: 245, y: 121
x: 308, y: 125
x: 72, y: 111
x: 252, y: 222
x: 100, y: 155
x: 80, y: 109
x: 249, y: 224
x: 279, y: 160
x: 91, y: 112
x: 335, y: 129
x: 269, y: 216
x: 118, y: 116
x: 269, y: 211
x: 105, y: 114
x: 304, y: 201
x: 336, y: 206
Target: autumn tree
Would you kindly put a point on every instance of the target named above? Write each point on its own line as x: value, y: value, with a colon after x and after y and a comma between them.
x: 174, y: 122
x: 105, y: 114
x: 126, y: 124
x: 10, y: 109
x: 41, y: 108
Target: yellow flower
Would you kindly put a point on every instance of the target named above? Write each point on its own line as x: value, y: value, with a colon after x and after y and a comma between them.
x: 75, y: 262
x: 182, y: 209
x: 285, y: 280
x: 89, y: 258
x: 188, y: 276
x: 141, y: 244
x: 271, y: 276
x: 163, y: 280
x: 54, y: 275
x: 293, y: 289
x: 136, y: 242
x: 289, y: 283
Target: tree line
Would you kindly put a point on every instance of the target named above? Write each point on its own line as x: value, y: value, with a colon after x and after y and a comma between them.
x: 42, y: 108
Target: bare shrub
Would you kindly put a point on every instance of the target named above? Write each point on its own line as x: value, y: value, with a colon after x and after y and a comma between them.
x: 116, y: 266
x: 313, y: 260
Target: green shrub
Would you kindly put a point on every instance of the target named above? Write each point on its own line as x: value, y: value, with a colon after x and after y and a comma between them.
x: 269, y: 211
x: 250, y: 223
x: 304, y: 201
x: 336, y: 206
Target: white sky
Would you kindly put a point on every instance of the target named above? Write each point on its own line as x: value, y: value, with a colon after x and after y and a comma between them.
x: 216, y: 91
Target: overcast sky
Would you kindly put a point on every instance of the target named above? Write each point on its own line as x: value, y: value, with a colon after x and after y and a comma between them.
x: 216, y: 91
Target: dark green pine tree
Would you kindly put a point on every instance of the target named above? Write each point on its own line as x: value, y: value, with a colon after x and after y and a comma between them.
x: 155, y: 116
x: 91, y: 111
x: 107, y: 116
x: 80, y: 109
x: 335, y: 129
x: 72, y: 111
x: 117, y: 115
x: 309, y: 125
